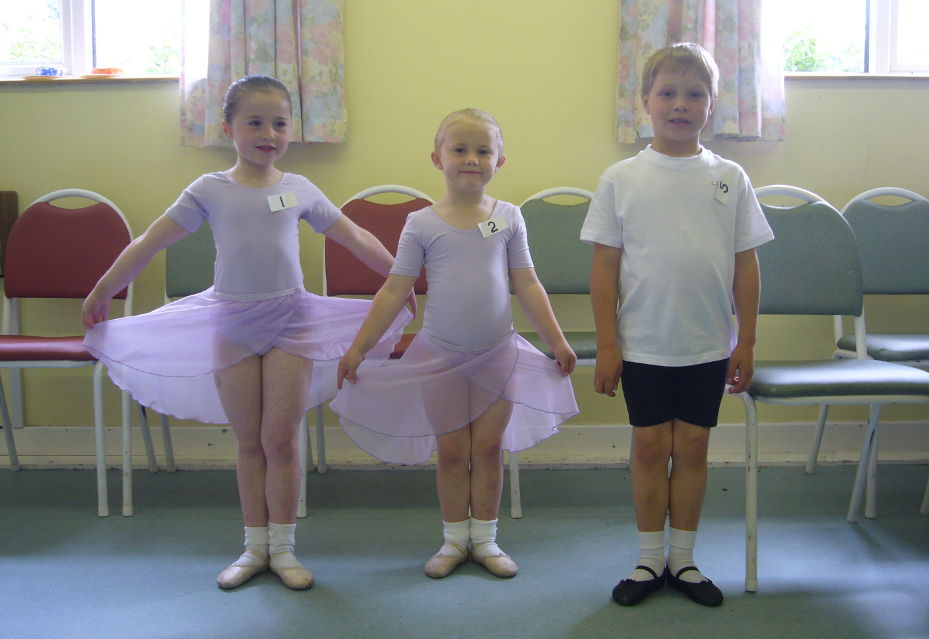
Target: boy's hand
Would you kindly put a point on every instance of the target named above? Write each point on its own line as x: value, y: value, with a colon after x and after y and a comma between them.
x: 741, y: 369
x: 608, y: 370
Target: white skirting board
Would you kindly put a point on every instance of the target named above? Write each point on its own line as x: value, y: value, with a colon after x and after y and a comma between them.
x: 574, y: 446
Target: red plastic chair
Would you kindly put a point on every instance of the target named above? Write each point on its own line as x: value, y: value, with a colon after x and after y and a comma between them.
x: 55, y: 252
x: 343, y: 274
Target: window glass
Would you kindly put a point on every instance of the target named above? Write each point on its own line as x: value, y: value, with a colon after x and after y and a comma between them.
x: 826, y: 36
x: 912, y: 46
x: 30, y: 32
x: 138, y: 36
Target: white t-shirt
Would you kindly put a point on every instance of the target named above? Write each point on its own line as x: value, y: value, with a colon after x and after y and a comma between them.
x: 679, y: 223
x: 468, y: 307
x: 255, y: 230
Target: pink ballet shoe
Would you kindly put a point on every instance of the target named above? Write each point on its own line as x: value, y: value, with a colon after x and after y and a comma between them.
x: 446, y: 560
x: 249, y: 564
x: 291, y: 572
x: 489, y: 555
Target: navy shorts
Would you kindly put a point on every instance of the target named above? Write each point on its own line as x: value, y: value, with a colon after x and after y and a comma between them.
x: 657, y: 394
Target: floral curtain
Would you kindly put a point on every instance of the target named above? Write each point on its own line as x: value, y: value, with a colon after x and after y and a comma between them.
x: 297, y: 41
x: 750, y: 105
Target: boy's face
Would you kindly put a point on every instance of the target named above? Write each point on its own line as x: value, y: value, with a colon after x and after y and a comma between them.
x: 679, y: 104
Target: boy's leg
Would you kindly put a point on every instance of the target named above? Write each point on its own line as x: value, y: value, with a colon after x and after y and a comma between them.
x: 688, y: 474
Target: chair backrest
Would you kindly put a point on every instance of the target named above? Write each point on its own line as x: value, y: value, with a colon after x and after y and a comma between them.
x: 893, y: 241
x: 344, y: 274
x: 56, y: 252
x: 812, y: 266
x: 189, y: 264
x: 561, y: 259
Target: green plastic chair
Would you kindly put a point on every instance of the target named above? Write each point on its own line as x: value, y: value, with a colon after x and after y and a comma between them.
x: 893, y: 241
x: 562, y: 263
x: 812, y: 267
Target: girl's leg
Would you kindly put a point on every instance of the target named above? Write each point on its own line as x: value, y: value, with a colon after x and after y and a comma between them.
x: 264, y: 398
x: 454, y: 489
x: 285, y: 385
x: 486, y: 486
x: 486, y: 463
x: 239, y: 388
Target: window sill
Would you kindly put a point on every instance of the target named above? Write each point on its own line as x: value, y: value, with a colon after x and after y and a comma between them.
x: 46, y: 81
x: 855, y: 76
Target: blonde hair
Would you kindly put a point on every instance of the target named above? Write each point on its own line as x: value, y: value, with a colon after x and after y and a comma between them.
x: 683, y: 56
x: 474, y: 115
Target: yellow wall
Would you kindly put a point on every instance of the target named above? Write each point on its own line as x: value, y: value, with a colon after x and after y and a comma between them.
x: 544, y: 68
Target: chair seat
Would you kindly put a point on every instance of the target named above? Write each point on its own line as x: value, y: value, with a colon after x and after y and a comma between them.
x: 26, y: 348
x: 584, y: 343
x: 836, y: 378
x: 892, y: 347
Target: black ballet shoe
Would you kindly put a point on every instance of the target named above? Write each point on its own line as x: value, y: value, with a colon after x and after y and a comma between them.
x: 630, y: 592
x: 704, y: 592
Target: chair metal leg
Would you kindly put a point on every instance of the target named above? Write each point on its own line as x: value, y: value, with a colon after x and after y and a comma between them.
x: 127, y: 456
x: 924, y: 507
x: 103, y: 506
x: 516, y: 506
x: 169, y: 447
x: 817, y: 440
x: 147, y: 438
x: 320, y: 441
x: 16, y: 397
x: 870, y: 494
x: 858, y: 489
x: 301, y: 446
x: 751, y: 493
x: 8, y: 431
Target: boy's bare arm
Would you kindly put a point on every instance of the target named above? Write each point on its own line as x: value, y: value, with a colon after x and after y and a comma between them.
x: 604, y: 295
x: 746, y: 291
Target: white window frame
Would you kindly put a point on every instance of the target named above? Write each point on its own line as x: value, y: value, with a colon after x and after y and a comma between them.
x: 882, y: 53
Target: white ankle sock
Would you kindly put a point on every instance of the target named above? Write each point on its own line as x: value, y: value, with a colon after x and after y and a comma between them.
x: 681, y: 554
x: 454, y: 532
x: 256, y: 546
x: 281, y: 540
x: 256, y: 537
x: 484, y: 531
x: 651, y: 554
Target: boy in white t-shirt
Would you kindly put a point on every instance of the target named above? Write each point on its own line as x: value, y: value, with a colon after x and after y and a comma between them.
x: 674, y: 231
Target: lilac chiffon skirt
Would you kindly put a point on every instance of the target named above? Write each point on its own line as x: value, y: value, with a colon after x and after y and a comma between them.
x: 395, y: 412
x: 166, y: 358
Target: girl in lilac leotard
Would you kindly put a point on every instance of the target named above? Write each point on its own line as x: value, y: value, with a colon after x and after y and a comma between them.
x: 468, y: 385
x: 253, y: 350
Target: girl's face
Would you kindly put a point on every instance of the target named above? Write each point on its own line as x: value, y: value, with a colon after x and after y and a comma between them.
x: 679, y: 104
x: 260, y: 127
x: 468, y: 155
